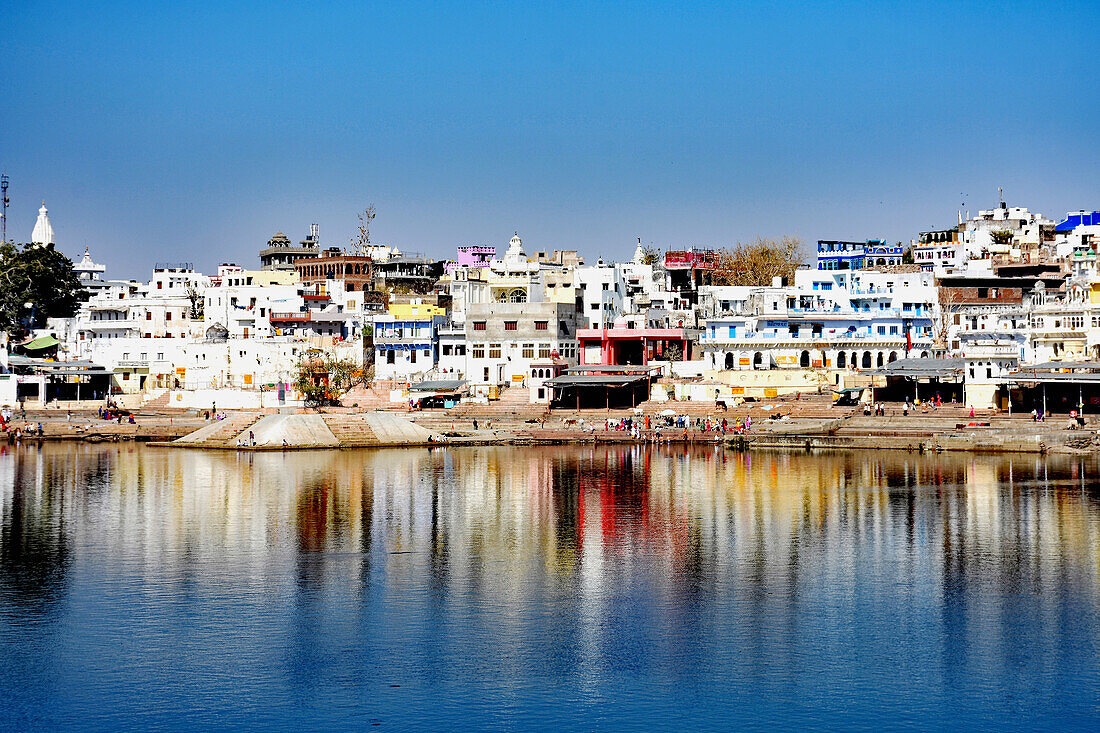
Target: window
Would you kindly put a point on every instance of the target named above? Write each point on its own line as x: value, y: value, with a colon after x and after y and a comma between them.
x: 510, y: 325
x: 882, y: 330
x: 893, y: 330
x: 148, y: 316
x: 540, y: 325
x: 528, y: 351
x: 160, y: 356
x: 595, y: 306
x: 446, y: 351
x: 479, y: 325
x: 412, y: 356
x: 544, y: 351
x: 479, y: 351
x: 494, y: 351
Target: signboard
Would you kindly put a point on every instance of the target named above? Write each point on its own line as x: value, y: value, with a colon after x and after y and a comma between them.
x: 786, y: 360
x: 683, y: 260
x: 744, y: 361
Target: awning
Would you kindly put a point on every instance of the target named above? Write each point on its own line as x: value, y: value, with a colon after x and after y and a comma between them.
x: 594, y: 380
x: 614, y: 369
x: 40, y: 343
x: 438, y: 385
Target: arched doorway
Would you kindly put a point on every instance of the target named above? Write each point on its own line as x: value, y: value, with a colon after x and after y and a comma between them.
x: 841, y: 360
x: 866, y: 359
x: 893, y: 356
x: 880, y: 358
x: 804, y: 360
x: 758, y: 360
x: 729, y: 360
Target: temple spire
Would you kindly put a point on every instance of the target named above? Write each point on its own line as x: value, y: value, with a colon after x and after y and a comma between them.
x: 43, y: 230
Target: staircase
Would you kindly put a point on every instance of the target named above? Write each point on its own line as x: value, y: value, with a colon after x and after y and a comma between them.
x: 160, y: 401
x: 351, y: 430
x: 221, y: 434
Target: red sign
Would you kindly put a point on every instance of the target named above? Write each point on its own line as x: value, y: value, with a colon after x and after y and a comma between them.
x: 691, y: 260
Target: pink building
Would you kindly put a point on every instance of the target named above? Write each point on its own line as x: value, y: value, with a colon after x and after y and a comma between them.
x: 471, y: 255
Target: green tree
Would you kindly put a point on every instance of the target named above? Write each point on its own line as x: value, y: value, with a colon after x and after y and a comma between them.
x: 323, y: 378
x: 41, y: 277
x: 651, y: 255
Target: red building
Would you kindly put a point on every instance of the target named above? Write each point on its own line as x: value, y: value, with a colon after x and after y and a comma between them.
x: 627, y: 346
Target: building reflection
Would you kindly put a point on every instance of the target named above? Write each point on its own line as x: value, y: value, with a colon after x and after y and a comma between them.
x: 490, y: 519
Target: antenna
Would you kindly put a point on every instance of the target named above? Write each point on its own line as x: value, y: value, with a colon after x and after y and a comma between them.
x: 4, y: 216
x: 1001, y: 195
x: 313, y: 232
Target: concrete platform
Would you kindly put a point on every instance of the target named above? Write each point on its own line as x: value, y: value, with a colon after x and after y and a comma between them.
x: 308, y: 431
x: 299, y: 431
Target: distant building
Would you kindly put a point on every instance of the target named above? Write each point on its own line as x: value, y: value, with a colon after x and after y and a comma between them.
x: 837, y: 255
x: 939, y: 250
x: 332, y: 264
x: 472, y: 255
x: 280, y: 254
x: 90, y: 274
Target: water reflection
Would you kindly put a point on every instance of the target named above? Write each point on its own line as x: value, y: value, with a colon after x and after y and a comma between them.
x: 497, y: 567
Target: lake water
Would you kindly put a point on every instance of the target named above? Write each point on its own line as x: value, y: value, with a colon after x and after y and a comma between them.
x: 571, y: 588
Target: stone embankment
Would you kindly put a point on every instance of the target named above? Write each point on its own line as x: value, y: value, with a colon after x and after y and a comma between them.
x: 251, y: 431
x: 810, y: 423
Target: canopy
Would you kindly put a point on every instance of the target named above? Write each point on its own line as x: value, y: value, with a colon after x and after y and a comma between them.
x: 40, y: 343
x: 438, y: 385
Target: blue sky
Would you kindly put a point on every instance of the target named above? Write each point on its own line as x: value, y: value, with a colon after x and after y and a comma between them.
x: 158, y: 132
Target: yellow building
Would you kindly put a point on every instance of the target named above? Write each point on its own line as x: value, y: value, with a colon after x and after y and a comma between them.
x: 415, y: 310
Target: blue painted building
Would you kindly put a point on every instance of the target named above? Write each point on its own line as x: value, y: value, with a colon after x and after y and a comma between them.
x: 837, y: 255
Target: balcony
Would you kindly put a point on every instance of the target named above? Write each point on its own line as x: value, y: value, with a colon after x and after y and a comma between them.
x: 981, y: 351
x: 108, y: 325
x: 300, y: 317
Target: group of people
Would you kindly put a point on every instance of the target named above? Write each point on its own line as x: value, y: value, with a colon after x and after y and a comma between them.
x: 113, y: 412
x: 879, y: 409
